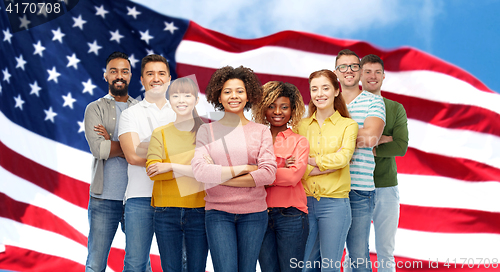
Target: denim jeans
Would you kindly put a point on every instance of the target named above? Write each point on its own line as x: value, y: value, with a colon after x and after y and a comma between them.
x: 329, y: 221
x: 285, y: 238
x: 139, y: 226
x: 173, y: 226
x: 362, y: 205
x: 104, y: 217
x: 385, y: 223
x: 235, y: 239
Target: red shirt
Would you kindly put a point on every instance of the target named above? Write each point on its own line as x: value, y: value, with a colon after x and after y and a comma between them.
x: 287, y: 190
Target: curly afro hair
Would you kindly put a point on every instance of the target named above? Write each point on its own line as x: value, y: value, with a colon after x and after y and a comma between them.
x: 252, y: 85
x: 274, y: 90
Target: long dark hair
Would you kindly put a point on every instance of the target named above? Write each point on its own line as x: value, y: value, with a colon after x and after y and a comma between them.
x: 187, y: 85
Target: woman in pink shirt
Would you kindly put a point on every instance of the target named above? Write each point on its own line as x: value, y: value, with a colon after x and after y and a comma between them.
x: 288, y: 225
x: 234, y: 158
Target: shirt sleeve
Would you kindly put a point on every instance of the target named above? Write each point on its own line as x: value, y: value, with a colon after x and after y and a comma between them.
x: 202, y: 171
x: 340, y: 159
x: 158, y: 154
x: 292, y: 175
x: 377, y: 108
x: 266, y: 161
x: 399, y: 143
x: 99, y: 147
x: 126, y: 124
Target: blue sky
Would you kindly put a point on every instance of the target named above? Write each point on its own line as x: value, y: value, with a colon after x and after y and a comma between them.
x: 462, y: 32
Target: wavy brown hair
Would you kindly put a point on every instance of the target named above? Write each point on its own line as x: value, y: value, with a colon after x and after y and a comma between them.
x: 338, y: 102
x: 252, y: 85
x: 187, y: 85
x: 274, y: 90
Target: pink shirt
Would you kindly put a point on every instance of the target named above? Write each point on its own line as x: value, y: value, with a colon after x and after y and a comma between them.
x: 251, y: 144
x: 287, y: 190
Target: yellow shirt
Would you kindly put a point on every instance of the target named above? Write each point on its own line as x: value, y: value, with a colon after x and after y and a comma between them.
x: 336, y: 133
x: 168, y: 144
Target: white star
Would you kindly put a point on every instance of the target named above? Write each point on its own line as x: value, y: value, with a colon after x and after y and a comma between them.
x: 73, y: 61
x: 35, y: 89
x: 6, y: 35
x: 101, y: 11
x: 24, y: 22
x: 58, y: 35
x: 89, y: 87
x: 150, y: 51
x: 20, y: 62
x: 170, y: 27
x: 79, y: 22
x: 94, y: 47
x: 145, y: 36
x: 49, y: 115
x: 132, y: 12
x: 19, y: 102
x: 68, y: 100
x: 39, y: 49
x: 53, y: 74
x: 115, y: 36
x: 81, y: 126
x: 6, y: 75
x: 133, y: 60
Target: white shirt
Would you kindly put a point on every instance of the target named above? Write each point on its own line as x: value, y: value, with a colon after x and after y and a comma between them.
x: 142, y: 118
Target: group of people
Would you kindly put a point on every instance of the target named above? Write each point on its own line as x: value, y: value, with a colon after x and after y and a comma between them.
x: 282, y: 189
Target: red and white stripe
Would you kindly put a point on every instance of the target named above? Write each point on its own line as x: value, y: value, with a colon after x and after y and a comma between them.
x: 448, y: 178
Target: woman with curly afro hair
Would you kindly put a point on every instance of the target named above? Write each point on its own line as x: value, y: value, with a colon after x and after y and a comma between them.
x: 288, y: 225
x: 234, y: 158
x: 327, y: 180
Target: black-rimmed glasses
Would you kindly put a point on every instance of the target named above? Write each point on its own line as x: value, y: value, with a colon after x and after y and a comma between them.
x: 343, y: 68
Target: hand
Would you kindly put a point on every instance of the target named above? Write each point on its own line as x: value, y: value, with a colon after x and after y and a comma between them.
x: 384, y: 139
x: 251, y: 168
x: 312, y: 161
x: 290, y: 161
x: 159, y: 168
x: 208, y: 159
x: 101, y: 131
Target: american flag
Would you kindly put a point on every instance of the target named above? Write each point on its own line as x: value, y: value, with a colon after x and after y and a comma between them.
x: 449, y: 178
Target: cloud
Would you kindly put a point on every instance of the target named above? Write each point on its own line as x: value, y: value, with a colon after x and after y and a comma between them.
x: 252, y: 19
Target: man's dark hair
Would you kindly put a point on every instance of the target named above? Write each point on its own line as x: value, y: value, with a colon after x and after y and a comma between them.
x: 117, y: 55
x: 371, y: 58
x: 153, y: 58
x: 345, y: 52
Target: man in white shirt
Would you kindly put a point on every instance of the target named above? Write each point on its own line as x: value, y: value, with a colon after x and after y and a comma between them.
x: 136, y: 126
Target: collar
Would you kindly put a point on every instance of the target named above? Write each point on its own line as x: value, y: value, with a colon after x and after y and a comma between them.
x: 334, y: 118
x: 286, y: 133
x: 146, y: 104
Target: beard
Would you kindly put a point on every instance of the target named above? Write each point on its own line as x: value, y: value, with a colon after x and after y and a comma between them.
x: 123, y: 91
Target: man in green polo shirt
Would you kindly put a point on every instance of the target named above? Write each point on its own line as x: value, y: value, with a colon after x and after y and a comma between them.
x: 393, y: 142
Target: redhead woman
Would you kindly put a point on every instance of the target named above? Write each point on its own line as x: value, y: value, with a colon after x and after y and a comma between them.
x: 332, y: 139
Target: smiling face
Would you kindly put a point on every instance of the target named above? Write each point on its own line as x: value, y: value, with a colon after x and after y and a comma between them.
x: 233, y: 96
x: 323, y: 93
x: 155, y: 75
x: 183, y: 103
x: 118, y: 76
x: 372, y: 77
x: 348, y: 79
x: 279, y: 112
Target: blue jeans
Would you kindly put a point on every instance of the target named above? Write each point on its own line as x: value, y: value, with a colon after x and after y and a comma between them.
x: 235, y: 239
x: 173, y: 226
x: 139, y: 226
x: 285, y: 238
x: 104, y: 217
x: 362, y: 205
x: 329, y: 221
x: 385, y: 222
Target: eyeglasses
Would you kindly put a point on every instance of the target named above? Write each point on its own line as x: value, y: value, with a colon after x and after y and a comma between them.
x: 343, y: 68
